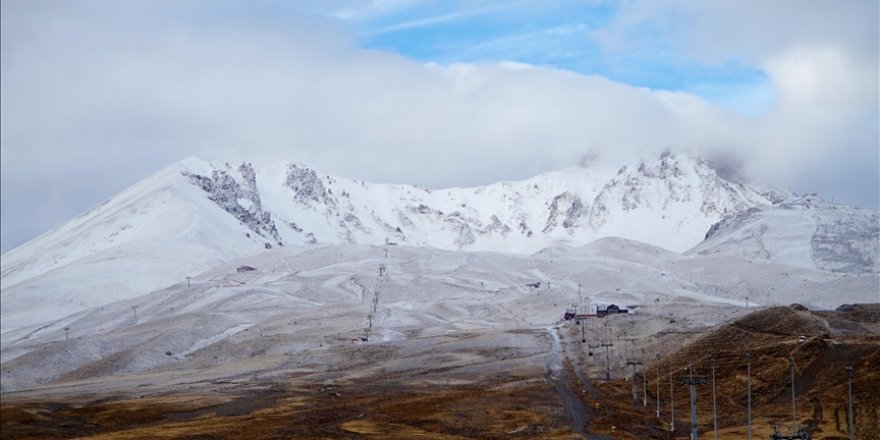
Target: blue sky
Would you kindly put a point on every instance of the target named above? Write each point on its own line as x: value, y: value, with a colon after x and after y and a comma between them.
x: 559, y: 35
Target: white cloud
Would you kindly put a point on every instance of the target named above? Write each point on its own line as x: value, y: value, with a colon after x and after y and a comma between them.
x: 820, y: 57
x: 358, y: 10
x: 437, y: 19
x: 825, y: 118
x: 748, y: 31
x: 825, y: 77
x: 97, y: 96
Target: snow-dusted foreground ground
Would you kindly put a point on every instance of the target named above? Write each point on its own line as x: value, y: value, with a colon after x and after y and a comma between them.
x: 306, y: 307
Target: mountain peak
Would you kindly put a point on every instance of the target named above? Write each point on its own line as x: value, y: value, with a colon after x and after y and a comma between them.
x: 569, y: 206
x: 195, y: 164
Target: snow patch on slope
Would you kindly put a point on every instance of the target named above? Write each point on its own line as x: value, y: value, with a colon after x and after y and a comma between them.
x: 804, y: 232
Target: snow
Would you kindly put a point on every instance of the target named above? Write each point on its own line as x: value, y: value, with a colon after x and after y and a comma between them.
x: 300, y: 300
x: 804, y: 232
x: 195, y: 216
x: 147, y: 237
x: 202, y: 343
x: 574, y: 206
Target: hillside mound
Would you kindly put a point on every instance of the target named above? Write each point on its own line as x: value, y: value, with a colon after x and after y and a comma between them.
x: 820, y: 344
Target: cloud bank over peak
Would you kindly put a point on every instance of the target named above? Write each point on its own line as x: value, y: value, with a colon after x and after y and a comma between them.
x: 97, y: 95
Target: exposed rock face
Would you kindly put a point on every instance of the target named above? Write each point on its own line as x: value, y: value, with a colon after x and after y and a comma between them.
x: 307, y: 186
x: 239, y: 197
x: 566, y: 206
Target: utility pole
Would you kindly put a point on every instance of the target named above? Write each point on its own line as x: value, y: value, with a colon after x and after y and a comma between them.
x: 849, y: 413
x: 375, y: 300
x: 693, y: 381
x: 644, y: 384
x: 749, y: 388
x: 693, y: 402
x: 607, y: 345
x: 635, y: 388
x: 135, y: 308
x: 671, y: 402
x: 658, y: 385
x: 714, y: 413
x: 794, y: 424
x: 66, y: 329
x: 376, y: 289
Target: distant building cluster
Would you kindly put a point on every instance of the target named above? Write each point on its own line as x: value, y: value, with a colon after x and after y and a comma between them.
x: 575, y: 312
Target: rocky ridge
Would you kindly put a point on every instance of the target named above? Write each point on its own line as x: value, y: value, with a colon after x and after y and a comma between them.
x: 669, y: 201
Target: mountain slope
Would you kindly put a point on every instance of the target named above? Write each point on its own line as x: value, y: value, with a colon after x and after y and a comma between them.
x: 299, y: 301
x: 144, y: 238
x: 196, y: 215
x: 803, y: 232
x: 668, y: 201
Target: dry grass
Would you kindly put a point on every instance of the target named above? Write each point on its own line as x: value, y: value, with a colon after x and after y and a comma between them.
x: 506, y: 405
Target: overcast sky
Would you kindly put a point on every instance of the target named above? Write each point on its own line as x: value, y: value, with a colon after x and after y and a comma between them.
x: 96, y: 95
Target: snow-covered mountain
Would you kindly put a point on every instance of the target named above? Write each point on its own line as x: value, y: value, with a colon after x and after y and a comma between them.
x: 669, y: 201
x: 150, y: 235
x: 802, y: 232
x: 195, y: 215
